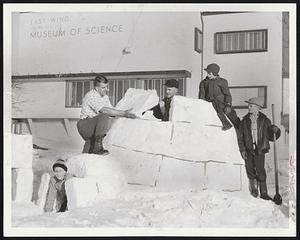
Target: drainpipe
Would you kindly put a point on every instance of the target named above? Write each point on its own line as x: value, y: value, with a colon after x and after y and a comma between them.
x: 202, y: 36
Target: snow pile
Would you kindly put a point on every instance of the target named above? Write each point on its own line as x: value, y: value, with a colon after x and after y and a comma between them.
x: 96, y: 178
x: 148, y: 208
x: 138, y: 99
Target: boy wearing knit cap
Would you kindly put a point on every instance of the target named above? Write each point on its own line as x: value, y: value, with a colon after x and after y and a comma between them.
x: 254, y: 135
x: 215, y: 89
x: 56, y: 189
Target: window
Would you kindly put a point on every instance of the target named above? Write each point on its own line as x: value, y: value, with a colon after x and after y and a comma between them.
x: 198, y: 40
x: 241, y: 41
x: 76, y: 89
x: 240, y: 94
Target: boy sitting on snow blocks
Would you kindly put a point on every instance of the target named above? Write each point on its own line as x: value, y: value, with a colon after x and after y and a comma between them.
x: 255, y: 132
x: 56, y: 190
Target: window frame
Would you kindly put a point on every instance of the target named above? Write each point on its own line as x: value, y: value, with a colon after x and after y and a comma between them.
x: 246, y: 105
x: 198, y: 40
x: 161, y: 76
x: 242, y: 51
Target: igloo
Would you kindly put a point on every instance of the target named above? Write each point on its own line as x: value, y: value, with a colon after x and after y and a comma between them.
x: 188, y: 152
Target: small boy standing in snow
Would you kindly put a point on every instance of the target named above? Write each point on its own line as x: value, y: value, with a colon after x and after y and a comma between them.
x: 255, y: 132
x: 56, y: 190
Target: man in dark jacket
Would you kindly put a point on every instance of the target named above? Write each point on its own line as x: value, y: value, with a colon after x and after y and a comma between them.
x: 254, y: 135
x: 215, y: 89
x: 161, y: 110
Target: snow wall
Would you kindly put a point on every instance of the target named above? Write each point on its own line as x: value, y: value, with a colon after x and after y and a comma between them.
x: 189, y: 152
x: 21, y: 168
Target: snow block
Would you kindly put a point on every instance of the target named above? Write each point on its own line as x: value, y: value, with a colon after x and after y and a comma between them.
x: 22, y: 186
x: 244, y: 179
x: 204, y: 143
x: 178, y: 175
x: 81, y: 192
x: 138, y: 99
x: 138, y: 167
x: 140, y: 135
x: 193, y: 110
x: 42, y: 193
x: 222, y: 176
x: 105, y: 170
x: 22, y: 151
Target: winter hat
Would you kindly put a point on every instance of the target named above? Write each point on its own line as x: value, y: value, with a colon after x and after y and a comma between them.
x: 213, y: 67
x: 172, y: 83
x: 60, y: 163
x: 259, y: 101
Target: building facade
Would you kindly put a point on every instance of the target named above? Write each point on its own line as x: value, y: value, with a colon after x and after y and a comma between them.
x: 56, y: 55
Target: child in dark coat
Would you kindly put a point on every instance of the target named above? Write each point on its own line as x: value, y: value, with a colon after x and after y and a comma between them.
x: 215, y: 89
x: 56, y: 190
x: 254, y: 135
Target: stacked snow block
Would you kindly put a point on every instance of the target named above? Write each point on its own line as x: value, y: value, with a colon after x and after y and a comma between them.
x: 95, y: 178
x: 189, y: 152
x: 139, y: 100
x: 21, y: 165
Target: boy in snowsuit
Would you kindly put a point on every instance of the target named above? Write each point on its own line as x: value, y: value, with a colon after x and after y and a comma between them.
x: 254, y: 135
x: 215, y: 89
x: 56, y: 190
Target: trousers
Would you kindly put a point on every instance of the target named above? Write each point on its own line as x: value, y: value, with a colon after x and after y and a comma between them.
x: 255, y: 167
x: 92, y: 128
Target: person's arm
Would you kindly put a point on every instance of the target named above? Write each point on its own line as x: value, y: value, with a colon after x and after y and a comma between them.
x: 117, y: 113
x: 271, y: 129
x: 201, y: 94
x: 226, y: 92
x: 157, y: 111
x: 51, y: 195
x: 241, y: 143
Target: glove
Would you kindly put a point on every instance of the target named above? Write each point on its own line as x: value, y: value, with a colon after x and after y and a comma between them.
x: 244, y: 155
x: 274, y: 129
x: 227, y: 109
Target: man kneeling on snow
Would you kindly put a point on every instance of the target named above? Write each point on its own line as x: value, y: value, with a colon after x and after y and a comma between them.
x: 56, y: 189
x: 255, y: 132
x: 95, y: 117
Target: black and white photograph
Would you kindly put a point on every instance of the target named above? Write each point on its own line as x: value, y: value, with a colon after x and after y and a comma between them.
x: 149, y: 119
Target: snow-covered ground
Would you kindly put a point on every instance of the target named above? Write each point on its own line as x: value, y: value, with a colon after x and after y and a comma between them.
x: 147, y: 207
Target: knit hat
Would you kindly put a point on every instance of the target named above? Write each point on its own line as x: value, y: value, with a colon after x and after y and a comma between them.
x: 172, y: 83
x: 60, y: 163
x: 259, y: 101
x: 213, y: 67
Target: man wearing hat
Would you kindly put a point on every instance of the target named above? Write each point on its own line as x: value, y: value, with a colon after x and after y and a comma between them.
x: 161, y: 110
x: 254, y: 135
x: 215, y: 89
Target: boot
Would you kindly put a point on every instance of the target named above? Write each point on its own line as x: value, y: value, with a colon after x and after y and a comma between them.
x: 253, y: 187
x: 87, y: 146
x: 264, y: 191
x: 226, y: 124
x: 98, y: 149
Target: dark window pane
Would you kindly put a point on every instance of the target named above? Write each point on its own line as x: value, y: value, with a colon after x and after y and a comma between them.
x: 119, y: 90
x: 79, y: 93
x: 73, y: 94
x: 86, y: 87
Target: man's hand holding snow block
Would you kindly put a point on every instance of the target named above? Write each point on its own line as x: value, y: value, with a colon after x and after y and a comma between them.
x: 138, y: 100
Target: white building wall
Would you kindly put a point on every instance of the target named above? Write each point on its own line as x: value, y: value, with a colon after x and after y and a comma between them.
x: 246, y: 69
x: 250, y: 69
x: 157, y: 41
